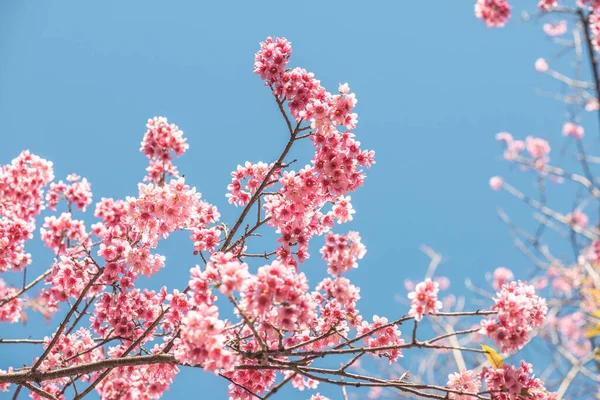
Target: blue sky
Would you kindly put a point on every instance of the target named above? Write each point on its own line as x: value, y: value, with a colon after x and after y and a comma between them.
x: 78, y: 80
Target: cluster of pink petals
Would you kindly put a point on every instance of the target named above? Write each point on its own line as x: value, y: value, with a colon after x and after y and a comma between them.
x: 342, y: 252
x: 501, y: 276
x: 342, y: 290
x: 11, y: 311
x: 278, y: 294
x: 466, y: 381
x: 541, y: 65
x: 126, y: 314
x: 496, y: 182
x: 202, y: 342
x: 77, y: 192
x: 160, y: 140
x: 296, y: 209
x: 574, y: 130
x: 547, y: 5
x: 319, y: 397
x: 21, y: 184
x: 511, y: 383
x: 594, y: 24
x: 67, y: 280
x: 578, y: 219
x: 229, y: 273
x: 271, y: 59
x: 70, y: 350
x: 537, y: 148
x: 13, y: 234
x: 256, y: 381
x: 555, y: 28
x: 21, y: 199
x: 495, y: 13
x: 513, y: 147
x: 380, y: 337
x: 254, y: 175
x: 424, y: 299
x: 519, y: 311
x: 565, y: 280
x: 144, y: 382
x: 160, y: 210
x: 572, y: 328
x: 63, y: 232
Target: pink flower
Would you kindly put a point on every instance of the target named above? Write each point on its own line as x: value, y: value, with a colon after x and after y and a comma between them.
x: 388, y: 336
x: 577, y: 218
x: 519, y: 311
x: 465, y: 381
x: 555, y: 28
x: 343, y: 88
x: 495, y: 13
x: 537, y: 148
x: 11, y: 311
x: 511, y: 383
x: 501, y: 277
x: 319, y: 397
x: 496, y: 182
x: 77, y: 192
x: 571, y: 129
x: 342, y: 252
x: 160, y: 140
x: 541, y: 65
x: 424, y: 300
x: 547, y: 5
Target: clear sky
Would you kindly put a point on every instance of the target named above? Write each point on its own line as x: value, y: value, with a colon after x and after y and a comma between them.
x: 78, y: 80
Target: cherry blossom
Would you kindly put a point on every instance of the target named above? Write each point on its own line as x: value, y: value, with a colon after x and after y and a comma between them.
x: 519, y: 311
x: 495, y: 13
x: 424, y: 299
x: 465, y: 381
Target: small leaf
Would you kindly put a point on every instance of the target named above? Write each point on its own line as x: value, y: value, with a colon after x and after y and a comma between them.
x: 493, y: 356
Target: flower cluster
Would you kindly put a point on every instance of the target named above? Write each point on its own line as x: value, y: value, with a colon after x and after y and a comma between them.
x: 510, y: 382
x: 160, y: 210
x: 279, y: 295
x: 137, y: 382
x: 424, y: 299
x: 513, y: 147
x: 126, y: 315
x: 77, y: 192
x: 160, y: 140
x: 70, y: 350
x: 555, y: 28
x: 495, y: 13
x: 574, y: 130
x: 296, y: 209
x: 465, y: 381
x: 501, y: 276
x: 379, y: 334
x: 21, y: 184
x: 254, y: 175
x: 202, y: 342
x: 271, y: 59
x: 594, y: 23
x: 578, y: 219
x: 67, y: 280
x: 13, y: 234
x: 11, y: 311
x: 63, y: 232
x: 21, y: 199
x: 547, y: 5
x: 341, y: 252
x: 519, y: 311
